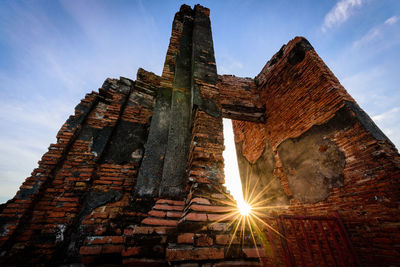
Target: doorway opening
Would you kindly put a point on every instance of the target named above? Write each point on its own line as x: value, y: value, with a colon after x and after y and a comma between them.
x: 232, y: 176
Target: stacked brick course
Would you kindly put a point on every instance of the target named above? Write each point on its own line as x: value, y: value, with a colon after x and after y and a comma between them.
x: 136, y: 176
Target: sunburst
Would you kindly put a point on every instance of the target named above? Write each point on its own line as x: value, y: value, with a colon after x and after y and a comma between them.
x: 248, y: 207
x: 248, y: 216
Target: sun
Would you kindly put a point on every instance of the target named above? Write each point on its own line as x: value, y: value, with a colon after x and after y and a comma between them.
x: 244, y: 208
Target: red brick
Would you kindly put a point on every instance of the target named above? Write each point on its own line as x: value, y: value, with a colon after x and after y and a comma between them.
x: 68, y: 199
x: 112, y: 249
x: 96, y: 240
x: 203, y: 240
x: 202, y: 180
x: 172, y: 214
x: 254, y: 252
x: 10, y: 210
x: 103, y: 182
x: 90, y: 250
x: 128, y: 231
x: 171, y: 202
x: 153, y: 221
x: 143, y: 230
x: 179, y: 254
x: 130, y: 251
x: 100, y: 230
x: 226, y: 240
x: 220, y: 217
x: 201, y: 201
x: 70, y: 204
x: 102, y: 215
x: 168, y: 207
x: 186, y: 238
x: 56, y: 214
x: 195, y: 217
x: 219, y: 196
x: 157, y: 213
x: 117, y: 239
x: 210, y: 208
x: 218, y: 226
x: 163, y: 230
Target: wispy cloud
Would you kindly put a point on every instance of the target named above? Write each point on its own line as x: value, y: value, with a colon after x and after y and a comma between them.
x: 371, y: 35
x: 228, y: 65
x: 361, y: 85
x: 387, y: 115
x: 34, y: 127
x: 392, y: 20
x: 340, y: 13
x: 376, y: 32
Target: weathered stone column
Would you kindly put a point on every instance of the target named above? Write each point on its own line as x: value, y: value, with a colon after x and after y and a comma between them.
x: 174, y: 172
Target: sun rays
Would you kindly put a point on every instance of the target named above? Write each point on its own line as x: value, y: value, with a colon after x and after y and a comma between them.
x: 248, y: 204
x: 244, y: 208
x: 247, y: 219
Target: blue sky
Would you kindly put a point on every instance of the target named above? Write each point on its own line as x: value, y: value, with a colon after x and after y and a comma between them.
x: 54, y: 52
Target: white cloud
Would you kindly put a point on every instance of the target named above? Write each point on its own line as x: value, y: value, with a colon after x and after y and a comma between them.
x: 28, y: 129
x: 387, y: 115
x: 340, y: 13
x: 375, y: 32
x: 392, y: 20
x: 49, y: 116
x: 368, y: 37
x: 228, y: 65
x: 360, y: 85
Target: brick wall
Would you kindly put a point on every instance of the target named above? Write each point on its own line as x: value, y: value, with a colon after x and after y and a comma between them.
x: 303, y: 97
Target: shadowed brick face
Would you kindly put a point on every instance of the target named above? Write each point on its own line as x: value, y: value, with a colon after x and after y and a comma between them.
x: 136, y: 176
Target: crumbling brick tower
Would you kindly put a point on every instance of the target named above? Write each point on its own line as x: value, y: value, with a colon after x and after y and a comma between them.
x: 136, y: 174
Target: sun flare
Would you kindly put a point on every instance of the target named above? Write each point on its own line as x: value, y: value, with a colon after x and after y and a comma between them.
x: 247, y: 204
x: 244, y: 208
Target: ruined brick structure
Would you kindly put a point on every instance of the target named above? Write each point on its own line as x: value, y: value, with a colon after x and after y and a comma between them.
x: 136, y: 176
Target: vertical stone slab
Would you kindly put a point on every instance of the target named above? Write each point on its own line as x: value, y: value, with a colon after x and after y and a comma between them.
x: 174, y: 172
x: 205, y: 95
x: 150, y: 172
